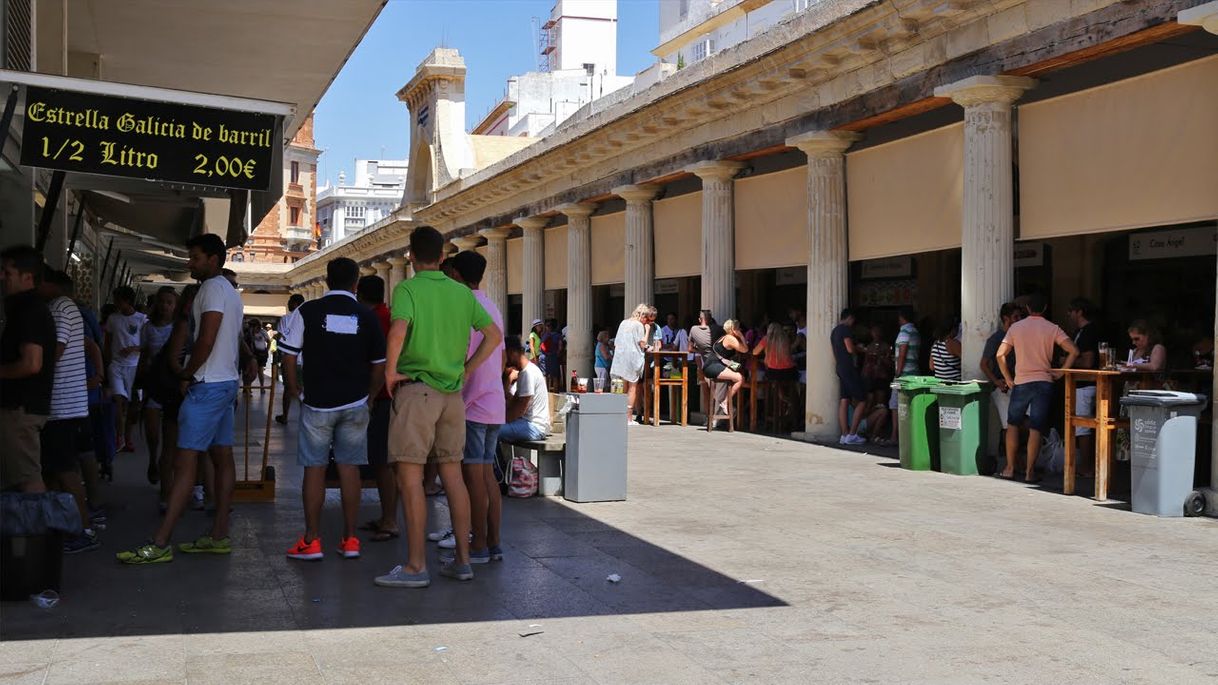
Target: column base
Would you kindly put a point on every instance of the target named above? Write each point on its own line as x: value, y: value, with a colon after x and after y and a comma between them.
x: 1211, y: 501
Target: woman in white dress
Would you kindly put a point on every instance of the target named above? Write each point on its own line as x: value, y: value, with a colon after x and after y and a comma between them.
x: 628, y: 352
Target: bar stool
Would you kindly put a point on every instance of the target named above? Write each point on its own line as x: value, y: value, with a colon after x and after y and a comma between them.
x: 716, y: 389
x: 780, y: 399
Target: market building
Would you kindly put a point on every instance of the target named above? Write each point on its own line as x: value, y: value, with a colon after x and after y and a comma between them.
x: 945, y: 156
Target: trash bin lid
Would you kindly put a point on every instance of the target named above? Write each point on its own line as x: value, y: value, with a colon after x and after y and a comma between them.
x: 961, y: 388
x: 917, y: 382
x: 1162, y: 398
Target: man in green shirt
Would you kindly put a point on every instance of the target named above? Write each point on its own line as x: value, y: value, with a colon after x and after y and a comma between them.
x: 431, y: 319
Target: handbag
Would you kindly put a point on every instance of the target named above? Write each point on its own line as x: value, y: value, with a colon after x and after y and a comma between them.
x: 522, y: 477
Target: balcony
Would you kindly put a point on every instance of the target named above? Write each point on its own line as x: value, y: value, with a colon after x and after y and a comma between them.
x: 297, y: 238
x: 295, y: 189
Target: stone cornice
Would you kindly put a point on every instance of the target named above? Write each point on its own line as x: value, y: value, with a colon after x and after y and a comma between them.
x: 828, y: 42
x: 983, y: 90
x: 824, y: 143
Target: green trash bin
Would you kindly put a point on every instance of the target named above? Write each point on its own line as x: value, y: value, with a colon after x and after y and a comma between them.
x: 964, y: 418
x: 917, y: 422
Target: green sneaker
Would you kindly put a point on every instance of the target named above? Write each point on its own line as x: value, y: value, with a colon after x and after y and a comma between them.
x: 206, y: 545
x: 146, y: 554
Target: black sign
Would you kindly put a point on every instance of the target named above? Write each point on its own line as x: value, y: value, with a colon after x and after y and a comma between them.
x: 113, y: 136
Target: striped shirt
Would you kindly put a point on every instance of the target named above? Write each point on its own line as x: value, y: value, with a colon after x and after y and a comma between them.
x: 947, y: 365
x: 69, y: 390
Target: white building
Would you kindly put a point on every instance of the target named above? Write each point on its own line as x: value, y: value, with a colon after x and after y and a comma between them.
x: 343, y: 210
x: 692, y: 30
x: 578, y: 46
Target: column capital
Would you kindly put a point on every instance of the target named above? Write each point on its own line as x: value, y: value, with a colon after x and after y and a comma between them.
x: 465, y: 242
x: 722, y: 170
x: 396, y: 260
x: 824, y: 143
x: 1205, y: 16
x: 577, y: 209
x: 981, y: 90
x: 382, y: 264
x: 367, y: 270
x: 495, y: 233
x: 643, y: 192
x: 532, y: 222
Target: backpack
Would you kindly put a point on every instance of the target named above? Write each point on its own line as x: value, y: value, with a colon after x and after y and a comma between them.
x: 521, y: 477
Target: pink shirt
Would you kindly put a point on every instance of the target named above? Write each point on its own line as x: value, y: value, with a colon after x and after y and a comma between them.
x: 1034, y: 339
x: 483, y: 392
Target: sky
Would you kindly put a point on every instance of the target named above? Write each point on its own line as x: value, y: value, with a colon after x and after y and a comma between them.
x: 360, y: 116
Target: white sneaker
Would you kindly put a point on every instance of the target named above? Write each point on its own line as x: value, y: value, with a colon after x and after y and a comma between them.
x: 450, y: 541
x: 844, y: 440
x: 437, y: 535
x: 856, y: 440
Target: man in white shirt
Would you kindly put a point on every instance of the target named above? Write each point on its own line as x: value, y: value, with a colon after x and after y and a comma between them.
x: 528, y: 400
x: 124, y: 333
x: 205, y: 420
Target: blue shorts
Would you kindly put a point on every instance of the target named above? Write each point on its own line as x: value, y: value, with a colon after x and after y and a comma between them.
x: 481, y: 443
x: 206, y: 417
x: 1032, y: 401
x: 344, y: 431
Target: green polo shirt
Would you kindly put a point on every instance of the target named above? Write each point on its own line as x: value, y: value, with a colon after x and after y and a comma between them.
x: 440, y: 313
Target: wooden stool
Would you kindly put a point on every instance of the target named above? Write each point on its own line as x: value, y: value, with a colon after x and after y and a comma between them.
x: 780, y: 399
x: 713, y: 415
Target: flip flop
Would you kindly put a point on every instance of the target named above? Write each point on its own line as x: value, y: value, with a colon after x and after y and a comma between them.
x: 384, y: 536
x: 1004, y: 477
x: 371, y: 526
x: 1033, y: 480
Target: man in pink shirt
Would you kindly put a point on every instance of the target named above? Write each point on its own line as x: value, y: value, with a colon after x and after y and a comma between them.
x: 1033, y: 341
x: 485, y: 407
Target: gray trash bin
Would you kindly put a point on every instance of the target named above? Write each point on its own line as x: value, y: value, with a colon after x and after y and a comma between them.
x: 595, y: 469
x: 1163, y: 441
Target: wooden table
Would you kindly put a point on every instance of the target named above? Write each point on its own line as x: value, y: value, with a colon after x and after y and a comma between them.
x: 681, y: 364
x: 1107, y: 419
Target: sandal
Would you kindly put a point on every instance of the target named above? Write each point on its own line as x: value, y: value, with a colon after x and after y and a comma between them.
x: 383, y: 535
x: 371, y: 526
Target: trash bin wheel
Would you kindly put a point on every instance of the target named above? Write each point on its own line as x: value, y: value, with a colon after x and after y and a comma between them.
x: 1194, y: 504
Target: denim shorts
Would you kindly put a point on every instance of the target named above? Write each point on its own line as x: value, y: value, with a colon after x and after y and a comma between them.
x: 1034, y: 401
x: 344, y: 431
x: 481, y: 443
x: 206, y: 417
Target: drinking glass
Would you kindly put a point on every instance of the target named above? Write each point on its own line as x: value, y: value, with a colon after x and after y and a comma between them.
x: 599, y: 384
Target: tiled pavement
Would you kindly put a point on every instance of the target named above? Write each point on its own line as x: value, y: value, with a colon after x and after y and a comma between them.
x: 743, y: 558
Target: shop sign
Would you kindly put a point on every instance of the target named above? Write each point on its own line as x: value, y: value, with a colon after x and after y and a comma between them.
x: 1029, y: 254
x: 889, y: 267
x: 949, y: 417
x: 115, y: 136
x: 667, y: 286
x: 1174, y: 242
x: 791, y: 275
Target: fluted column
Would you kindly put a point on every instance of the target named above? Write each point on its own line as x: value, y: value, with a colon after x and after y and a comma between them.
x: 397, y: 274
x: 640, y: 244
x: 579, y: 286
x: 828, y: 270
x: 1206, y: 16
x: 987, y: 253
x: 533, y: 304
x: 382, y: 269
x: 494, y: 283
x: 718, y: 236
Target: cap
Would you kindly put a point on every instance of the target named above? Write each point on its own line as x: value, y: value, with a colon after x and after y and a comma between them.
x: 536, y: 322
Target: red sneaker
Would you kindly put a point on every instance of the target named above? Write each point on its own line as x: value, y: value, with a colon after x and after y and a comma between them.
x: 349, y: 548
x: 308, y: 551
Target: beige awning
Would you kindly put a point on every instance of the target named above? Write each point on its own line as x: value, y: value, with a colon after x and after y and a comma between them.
x: 771, y: 220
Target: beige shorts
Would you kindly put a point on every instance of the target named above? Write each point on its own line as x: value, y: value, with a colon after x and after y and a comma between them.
x: 21, y: 458
x: 426, y: 425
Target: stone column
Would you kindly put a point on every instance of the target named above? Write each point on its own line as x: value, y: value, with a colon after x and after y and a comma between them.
x: 828, y: 270
x: 464, y: 243
x: 640, y: 245
x: 397, y: 274
x: 364, y: 270
x: 718, y: 236
x: 1206, y: 16
x: 533, y: 305
x: 494, y: 283
x: 987, y: 254
x: 383, y: 269
x: 579, y: 287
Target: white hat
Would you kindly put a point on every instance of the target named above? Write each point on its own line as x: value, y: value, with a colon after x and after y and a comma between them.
x: 536, y: 323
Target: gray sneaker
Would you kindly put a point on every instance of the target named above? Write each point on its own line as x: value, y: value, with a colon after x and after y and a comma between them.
x: 476, y: 556
x: 400, y: 578
x: 457, y: 571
